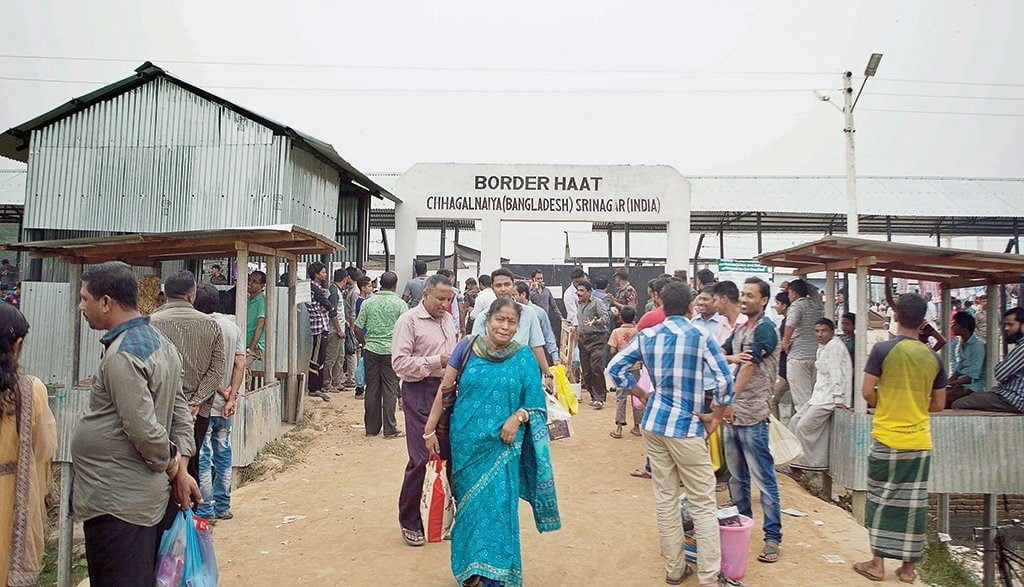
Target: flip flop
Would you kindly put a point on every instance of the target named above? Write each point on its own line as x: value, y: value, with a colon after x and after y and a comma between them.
x: 903, y: 579
x: 640, y: 473
x: 636, y: 432
x: 413, y: 538
x: 859, y: 567
x: 687, y: 571
x: 615, y: 434
x: 770, y: 553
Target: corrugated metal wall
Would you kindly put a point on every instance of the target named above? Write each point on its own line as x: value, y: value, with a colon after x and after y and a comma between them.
x: 311, y: 191
x: 971, y: 454
x: 348, y: 230
x: 157, y: 158
x: 257, y: 422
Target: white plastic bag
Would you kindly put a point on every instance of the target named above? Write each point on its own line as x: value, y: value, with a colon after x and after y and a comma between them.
x: 783, y: 444
x: 437, y: 505
x: 558, y: 419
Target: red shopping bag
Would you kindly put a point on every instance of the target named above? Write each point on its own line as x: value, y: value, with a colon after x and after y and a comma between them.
x: 437, y: 506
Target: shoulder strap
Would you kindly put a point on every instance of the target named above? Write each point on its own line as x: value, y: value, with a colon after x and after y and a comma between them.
x: 465, y: 356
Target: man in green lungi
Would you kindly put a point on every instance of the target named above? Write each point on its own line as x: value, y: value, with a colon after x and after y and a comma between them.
x: 904, y: 380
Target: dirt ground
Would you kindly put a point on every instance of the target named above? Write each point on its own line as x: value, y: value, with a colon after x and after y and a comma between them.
x: 345, y: 490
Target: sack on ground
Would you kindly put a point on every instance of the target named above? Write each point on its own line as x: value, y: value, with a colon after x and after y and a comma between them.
x: 437, y: 505
x: 783, y: 444
x: 563, y: 390
x: 558, y: 419
x: 186, y: 556
x: 360, y: 375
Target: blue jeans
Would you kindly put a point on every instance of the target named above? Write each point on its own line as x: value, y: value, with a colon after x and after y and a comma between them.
x: 748, y: 457
x: 215, y: 481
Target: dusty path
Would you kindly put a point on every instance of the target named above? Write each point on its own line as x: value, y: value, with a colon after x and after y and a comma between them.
x: 346, y: 487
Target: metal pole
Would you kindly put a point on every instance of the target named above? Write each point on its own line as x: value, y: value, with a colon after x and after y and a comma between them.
x: 944, y: 319
x: 852, y: 227
x: 989, y: 556
x: 760, y: 247
x: 444, y: 237
x: 888, y: 228
x: 609, y: 245
x: 721, y: 244
x: 626, y: 264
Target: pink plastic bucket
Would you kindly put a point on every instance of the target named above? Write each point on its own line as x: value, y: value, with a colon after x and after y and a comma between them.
x: 736, y: 547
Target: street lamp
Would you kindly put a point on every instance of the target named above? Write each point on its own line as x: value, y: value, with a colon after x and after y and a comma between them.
x: 849, y: 103
x: 869, y: 71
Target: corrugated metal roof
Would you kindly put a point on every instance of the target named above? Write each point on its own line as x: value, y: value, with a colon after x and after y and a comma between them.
x: 14, y: 142
x: 12, y: 187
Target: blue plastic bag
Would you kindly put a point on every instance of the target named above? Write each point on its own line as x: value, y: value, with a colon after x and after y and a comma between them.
x: 185, y: 557
x: 360, y: 375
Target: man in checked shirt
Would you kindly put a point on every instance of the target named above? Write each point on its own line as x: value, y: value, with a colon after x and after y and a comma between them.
x: 680, y: 357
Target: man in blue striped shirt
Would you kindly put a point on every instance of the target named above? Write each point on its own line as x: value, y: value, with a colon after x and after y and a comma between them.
x: 680, y: 358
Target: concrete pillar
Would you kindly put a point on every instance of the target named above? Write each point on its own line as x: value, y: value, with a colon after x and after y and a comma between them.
x: 678, y: 254
x: 270, y: 352
x: 490, y: 245
x: 405, y: 243
x: 860, y: 351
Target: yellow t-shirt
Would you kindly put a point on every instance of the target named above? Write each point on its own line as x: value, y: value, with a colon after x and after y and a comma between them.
x: 907, y: 372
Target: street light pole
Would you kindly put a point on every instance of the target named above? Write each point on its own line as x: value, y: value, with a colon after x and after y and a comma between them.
x: 852, y: 226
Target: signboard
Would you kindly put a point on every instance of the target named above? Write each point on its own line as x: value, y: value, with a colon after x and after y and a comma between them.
x: 303, y: 293
x: 742, y: 266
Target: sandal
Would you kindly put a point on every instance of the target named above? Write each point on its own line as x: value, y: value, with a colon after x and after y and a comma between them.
x: 636, y: 431
x: 770, y: 553
x: 615, y: 434
x: 904, y: 578
x: 687, y: 571
x: 413, y: 538
x: 861, y: 569
x: 641, y: 473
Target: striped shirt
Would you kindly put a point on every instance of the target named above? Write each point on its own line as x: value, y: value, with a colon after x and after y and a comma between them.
x: 680, y: 358
x: 200, y: 342
x: 1010, y: 377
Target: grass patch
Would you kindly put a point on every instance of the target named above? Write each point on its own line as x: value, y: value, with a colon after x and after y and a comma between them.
x: 938, y: 567
x: 79, y: 568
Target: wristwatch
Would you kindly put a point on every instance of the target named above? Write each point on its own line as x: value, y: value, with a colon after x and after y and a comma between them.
x: 522, y: 419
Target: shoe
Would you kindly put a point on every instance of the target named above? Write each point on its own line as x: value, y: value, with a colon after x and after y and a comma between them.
x: 226, y: 515
x: 348, y: 386
x: 398, y: 434
x: 320, y: 395
x: 360, y: 394
x: 598, y: 405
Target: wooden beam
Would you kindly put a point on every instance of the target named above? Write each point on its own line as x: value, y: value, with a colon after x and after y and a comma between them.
x: 995, y: 280
x: 937, y: 260
x: 269, y: 252
x: 838, y: 265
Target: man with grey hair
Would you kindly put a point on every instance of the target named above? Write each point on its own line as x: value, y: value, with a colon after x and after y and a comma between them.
x: 424, y: 338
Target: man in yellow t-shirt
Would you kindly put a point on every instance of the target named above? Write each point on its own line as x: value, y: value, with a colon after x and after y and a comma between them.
x: 904, y: 380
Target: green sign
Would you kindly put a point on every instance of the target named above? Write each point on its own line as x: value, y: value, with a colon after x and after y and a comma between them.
x: 740, y: 266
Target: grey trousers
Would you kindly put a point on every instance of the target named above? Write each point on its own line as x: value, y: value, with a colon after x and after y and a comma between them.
x: 986, y: 401
x: 801, y: 375
x: 381, y: 394
x: 349, y: 368
x: 812, y: 424
x: 334, y: 361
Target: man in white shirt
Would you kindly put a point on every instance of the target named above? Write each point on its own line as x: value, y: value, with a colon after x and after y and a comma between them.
x: 832, y: 389
x: 571, y: 298
x: 706, y: 315
x: 484, y: 298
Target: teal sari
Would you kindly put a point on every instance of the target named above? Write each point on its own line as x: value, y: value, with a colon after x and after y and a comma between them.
x: 489, y: 476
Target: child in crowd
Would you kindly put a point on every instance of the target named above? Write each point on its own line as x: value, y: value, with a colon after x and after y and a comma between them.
x: 619, y: 339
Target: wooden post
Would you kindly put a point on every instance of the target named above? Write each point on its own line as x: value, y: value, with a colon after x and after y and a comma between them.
x: 861, y: 335
x: 270, y: 353
x: 295, y: 394
x: 67, y: 472
x: 992, y: 341
x: 944, y: 319
x: 943, y: 521
x: 830, y: 296
x: 241, y: 291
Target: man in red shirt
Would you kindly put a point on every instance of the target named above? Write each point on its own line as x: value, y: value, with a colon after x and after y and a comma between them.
x: 657, y: 315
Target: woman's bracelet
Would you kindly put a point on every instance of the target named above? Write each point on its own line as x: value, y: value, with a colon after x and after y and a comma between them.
x: 431, y: 435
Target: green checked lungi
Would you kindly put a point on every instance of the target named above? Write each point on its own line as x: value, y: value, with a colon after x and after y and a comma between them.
x: 897, y: 507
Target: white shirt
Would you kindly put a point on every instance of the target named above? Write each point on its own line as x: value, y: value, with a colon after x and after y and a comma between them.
x: 571, y: 298
x: 834, y: 382
x: 484, y: 299
x: 233, y: 345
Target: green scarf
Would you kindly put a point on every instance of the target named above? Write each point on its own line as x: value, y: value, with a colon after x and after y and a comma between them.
x: 483, y: 351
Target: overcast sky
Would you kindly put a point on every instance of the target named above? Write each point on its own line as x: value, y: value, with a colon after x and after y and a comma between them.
x: 423, y: 50
x: 722, y: 87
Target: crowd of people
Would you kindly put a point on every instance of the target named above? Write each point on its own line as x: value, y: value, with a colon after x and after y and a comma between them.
x: 468, y: 370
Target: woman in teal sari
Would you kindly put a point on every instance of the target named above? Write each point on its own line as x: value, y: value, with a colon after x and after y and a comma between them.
x: 499, y: 440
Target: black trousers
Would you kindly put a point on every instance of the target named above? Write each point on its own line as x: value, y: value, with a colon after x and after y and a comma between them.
x: 381, y: 394
x: 202, y: 424
x: 122, y: 554
x: 317, y: 355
